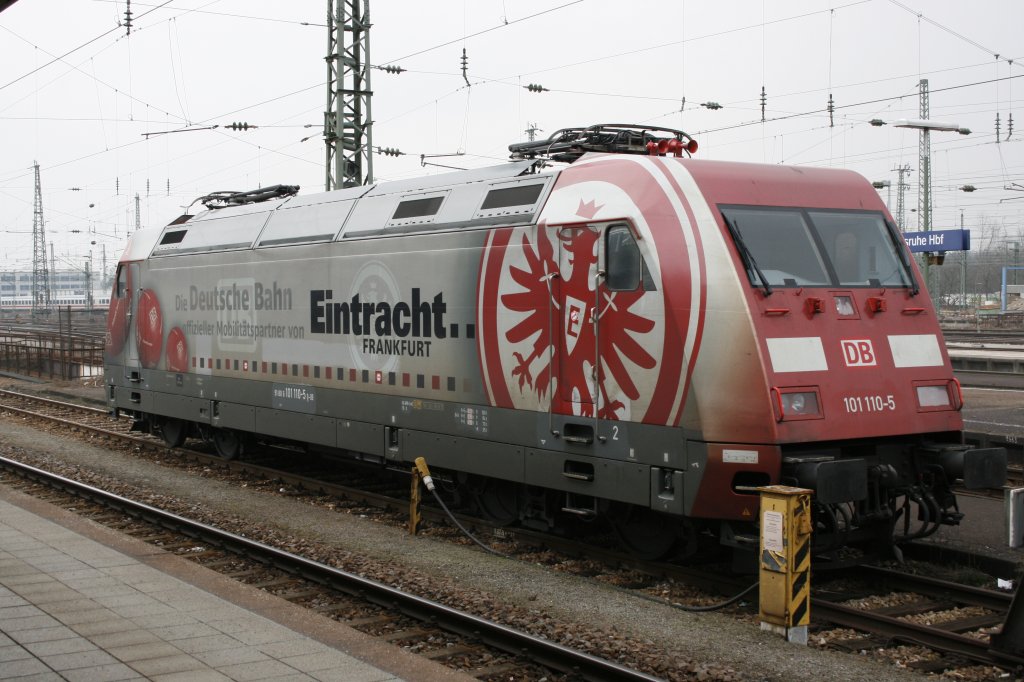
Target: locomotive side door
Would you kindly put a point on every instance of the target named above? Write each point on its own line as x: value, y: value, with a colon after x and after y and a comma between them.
x: 598, y: 265
x: 573, y: 297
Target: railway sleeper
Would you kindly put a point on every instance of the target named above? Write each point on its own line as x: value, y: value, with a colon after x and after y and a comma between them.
x: 277, y: 582
x: 915, y: 608
x: 936, y: 665
x: 857, y: 644
x: 414, y: 633
x: 971, y: 623
x: 449, y: 651
x: 300, y: 594
x: 491, y: 671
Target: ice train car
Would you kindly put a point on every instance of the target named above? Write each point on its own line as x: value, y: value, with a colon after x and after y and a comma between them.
x: 60, y: 299
x: 636, y: 336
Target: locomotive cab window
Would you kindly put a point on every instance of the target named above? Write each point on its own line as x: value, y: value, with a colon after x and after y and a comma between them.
x: 122, y: 282
x: 860, y: 246
x: 796, y: 247
x: 624, y: 265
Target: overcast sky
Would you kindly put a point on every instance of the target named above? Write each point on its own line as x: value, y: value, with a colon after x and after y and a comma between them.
x: 77, y: 94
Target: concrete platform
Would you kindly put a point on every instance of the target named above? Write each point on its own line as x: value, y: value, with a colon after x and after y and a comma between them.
x: 81, y: 602
x: 990, y: 358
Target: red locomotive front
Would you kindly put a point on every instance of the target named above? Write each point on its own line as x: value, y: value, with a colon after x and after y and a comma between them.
x: 852, y: 378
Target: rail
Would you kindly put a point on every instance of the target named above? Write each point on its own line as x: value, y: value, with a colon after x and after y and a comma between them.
x: 936, y: 637
x: 547, y: 653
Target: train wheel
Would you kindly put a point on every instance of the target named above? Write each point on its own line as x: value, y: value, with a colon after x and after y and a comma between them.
x: 227, y: 443
x: 174, y: 432
x: 643, y: 532
x: 500, y: 501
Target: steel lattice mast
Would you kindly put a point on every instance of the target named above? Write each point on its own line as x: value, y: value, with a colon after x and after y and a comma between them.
x: 40, y: 272
x: 347, y: 121
x: 901, y: 189
x: 924, y: 196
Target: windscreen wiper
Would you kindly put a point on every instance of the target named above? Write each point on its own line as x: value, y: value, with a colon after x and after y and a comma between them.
x: 901, y: 249
x: 749, y: 262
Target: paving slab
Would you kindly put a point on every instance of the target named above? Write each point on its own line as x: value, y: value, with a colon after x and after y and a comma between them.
x: 83, y: 602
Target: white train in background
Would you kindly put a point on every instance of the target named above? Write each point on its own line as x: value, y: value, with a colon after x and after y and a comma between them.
x: 61, y: 299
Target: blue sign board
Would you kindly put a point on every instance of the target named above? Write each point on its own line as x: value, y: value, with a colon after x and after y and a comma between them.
x: 938, y: 240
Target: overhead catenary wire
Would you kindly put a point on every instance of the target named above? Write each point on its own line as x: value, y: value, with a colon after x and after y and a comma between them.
x: 857, y: 104
x: 742, y: 28
x: 921, y: 17
x: 178, y: 92
x: 482, y: 32
x: 74, y: 67
x: 716, y: 34
x: 231, y: 15
x: 76, y: 49
x: 604, y: 94
x: 811, y: 117
x: 112, y: 88
x: 731, y: 105
x: 219, y: 116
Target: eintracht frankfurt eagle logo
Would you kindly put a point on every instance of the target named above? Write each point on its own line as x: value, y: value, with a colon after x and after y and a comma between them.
x: 554, y: 336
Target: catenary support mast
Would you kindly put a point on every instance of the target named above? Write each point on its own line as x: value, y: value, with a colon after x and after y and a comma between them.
x: 901, y: 190
x: 924, y: 195
x: 347, y: 121
x: 40, y: 272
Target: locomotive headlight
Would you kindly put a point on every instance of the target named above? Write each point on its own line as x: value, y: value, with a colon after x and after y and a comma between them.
x: 933, y: 396
x: 802, y: 404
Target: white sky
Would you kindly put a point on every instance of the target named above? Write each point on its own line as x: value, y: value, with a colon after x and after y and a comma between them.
x: 212, y: 62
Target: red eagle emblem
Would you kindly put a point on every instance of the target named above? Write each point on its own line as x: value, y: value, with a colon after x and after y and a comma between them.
x: 598, y: 327
x: 554, y: 336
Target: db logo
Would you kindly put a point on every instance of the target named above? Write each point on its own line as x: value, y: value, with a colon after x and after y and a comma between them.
x: 858, y: 352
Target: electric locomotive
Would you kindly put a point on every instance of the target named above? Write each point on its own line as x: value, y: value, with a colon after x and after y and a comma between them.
x: 599, y: 328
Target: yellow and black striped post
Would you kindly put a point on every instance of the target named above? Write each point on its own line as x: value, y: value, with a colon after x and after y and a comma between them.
x: 785, y: 580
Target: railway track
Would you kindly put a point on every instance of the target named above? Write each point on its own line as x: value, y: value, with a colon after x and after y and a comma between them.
x: 659, y: 581
x: 396, y: 616
x: 1003, y: 336
x: 953, y: 619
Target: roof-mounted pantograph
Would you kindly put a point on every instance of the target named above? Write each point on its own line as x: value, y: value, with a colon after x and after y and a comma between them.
x: 569, y: 144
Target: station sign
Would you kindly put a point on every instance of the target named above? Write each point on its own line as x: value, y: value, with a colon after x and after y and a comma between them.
x: 938, y: 240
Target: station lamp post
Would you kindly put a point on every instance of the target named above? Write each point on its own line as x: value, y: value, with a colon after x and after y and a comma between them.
x: 885, y: 184
x: 926, y: 126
